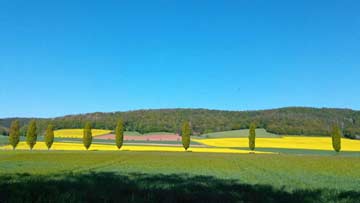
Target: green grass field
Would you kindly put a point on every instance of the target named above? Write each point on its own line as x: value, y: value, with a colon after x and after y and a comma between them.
x: 132, y: 133
x: 150, y: 175
x: 238, y: 133
x: 291, y: 175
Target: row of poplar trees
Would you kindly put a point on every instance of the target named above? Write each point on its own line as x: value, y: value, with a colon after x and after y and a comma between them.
x: 31, y: 135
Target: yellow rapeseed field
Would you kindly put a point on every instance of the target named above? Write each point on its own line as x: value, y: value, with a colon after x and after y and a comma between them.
x: 215, y: 145
x: 103, y: 147
x: 78, y: 133
x: 287, y: 142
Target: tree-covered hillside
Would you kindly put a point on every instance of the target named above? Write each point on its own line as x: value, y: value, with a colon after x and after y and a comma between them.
x: 295, y: 120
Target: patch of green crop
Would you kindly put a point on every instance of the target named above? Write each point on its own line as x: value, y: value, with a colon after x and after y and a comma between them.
x: 238, y: 133
x: 4, y: 140
x: 132, y: 133
x: 289, y: 171
x: 159, y: 133
x: 141, y: 187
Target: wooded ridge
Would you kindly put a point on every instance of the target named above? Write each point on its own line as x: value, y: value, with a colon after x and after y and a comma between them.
x: 289, y: 121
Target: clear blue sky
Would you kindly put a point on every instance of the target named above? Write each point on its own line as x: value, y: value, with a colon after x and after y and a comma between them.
x: 68, y: 57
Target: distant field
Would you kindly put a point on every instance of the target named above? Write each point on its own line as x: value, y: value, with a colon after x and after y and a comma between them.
x: 238, y: 133
x: 132, y: 133
x: 160, y: 176
x: 4, y: 140
x: 153, y: 137
x: 159, y: 133
x: 78, y: 133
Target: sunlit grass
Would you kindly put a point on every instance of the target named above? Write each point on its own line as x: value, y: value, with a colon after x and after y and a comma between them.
x: 294, y: 172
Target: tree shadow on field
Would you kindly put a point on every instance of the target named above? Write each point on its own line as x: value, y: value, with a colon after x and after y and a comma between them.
x: 112, y: 187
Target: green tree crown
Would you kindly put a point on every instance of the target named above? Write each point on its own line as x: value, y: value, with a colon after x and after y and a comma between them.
x: 31, y: 134
x: 49, y: 136
x: 14, y: 136
x: 185, y: 135
x: 252, y: 136
x: 119, y: 134
x: 336, y: 138
x: 87, y: 137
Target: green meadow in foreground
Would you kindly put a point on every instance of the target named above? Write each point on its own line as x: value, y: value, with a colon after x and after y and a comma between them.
x: 160, y: 177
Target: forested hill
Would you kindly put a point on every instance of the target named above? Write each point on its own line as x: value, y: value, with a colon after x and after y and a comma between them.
x: 294, y: 120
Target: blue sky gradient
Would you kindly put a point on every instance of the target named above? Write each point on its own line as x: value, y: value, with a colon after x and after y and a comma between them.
x: 71, y: 57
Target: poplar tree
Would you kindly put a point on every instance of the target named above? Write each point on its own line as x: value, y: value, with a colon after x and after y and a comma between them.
x: 252, y: 136
x: 336, y: 138
x: 119, y: 134
x: 185, y: 135
x: 87, y: 137
x: 14, y: 136
x: 49, y: 136
x: 31, y: 134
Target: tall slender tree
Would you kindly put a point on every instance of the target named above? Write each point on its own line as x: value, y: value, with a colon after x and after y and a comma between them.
x: 49, y: 136
x: 185, y: 135
x: 336, y: 138
x: 87, y: 138
x: 14, y: 136
x: 119, y: 133
x: 31, y: 134
x: 252, y: 136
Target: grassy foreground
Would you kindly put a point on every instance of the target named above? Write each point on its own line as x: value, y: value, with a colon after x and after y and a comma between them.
x: 58, y: 176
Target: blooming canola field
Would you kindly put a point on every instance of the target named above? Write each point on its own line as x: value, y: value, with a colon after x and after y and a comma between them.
x: 107, y: 147
x: 286, y: 142
x: 211, y: 145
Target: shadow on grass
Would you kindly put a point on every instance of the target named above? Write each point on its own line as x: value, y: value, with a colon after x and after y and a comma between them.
x: 111, y: 187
